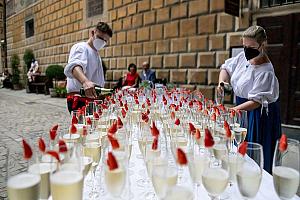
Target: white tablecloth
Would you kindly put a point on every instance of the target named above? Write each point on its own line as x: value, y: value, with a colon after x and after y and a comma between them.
x: 138, y: 169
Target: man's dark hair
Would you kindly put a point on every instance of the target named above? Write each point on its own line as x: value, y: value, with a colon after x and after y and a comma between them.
x: 104, y: 27
x: 132, y: 65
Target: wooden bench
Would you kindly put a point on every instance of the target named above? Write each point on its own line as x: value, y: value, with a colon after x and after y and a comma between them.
x: 40, y: 85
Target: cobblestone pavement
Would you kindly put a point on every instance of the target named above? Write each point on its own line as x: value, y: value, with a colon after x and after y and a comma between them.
x: 26, y: 116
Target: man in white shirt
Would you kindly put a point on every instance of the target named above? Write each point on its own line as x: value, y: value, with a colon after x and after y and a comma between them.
x: 84, y: 68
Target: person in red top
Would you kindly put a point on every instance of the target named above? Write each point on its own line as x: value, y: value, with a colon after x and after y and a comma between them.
x: 131, y: 80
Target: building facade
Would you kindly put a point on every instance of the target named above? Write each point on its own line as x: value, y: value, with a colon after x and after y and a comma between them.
x: 185, y: 41
x: 2, y: 36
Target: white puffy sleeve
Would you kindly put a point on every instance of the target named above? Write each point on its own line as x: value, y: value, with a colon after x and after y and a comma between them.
x: 78, y: 56
x: 231, y: 63
x: 265, y: 88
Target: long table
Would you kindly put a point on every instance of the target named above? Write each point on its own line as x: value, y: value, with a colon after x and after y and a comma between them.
x: 137, y: 170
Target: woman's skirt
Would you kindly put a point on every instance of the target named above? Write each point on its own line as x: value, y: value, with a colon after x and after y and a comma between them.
x: 264, y: 128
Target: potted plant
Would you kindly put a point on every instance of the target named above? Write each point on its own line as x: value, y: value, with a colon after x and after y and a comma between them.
x: 15, y: 63
x: 54, y: 73
x: 27, y: 58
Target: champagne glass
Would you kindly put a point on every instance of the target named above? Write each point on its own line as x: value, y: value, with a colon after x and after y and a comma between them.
x: 215, y: 179
x: 164, y: 177
x: 68, y: 178
x: 249, y: 174
x: 286, y: 169
x: 219, y: 96
x: 115, y: 179
x: 93, y: 150
x: 239, y: 135
x: 20, y: 185
x: 197, y: 163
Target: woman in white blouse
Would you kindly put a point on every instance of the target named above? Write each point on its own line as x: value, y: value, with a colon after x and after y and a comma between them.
x: 256, y: 87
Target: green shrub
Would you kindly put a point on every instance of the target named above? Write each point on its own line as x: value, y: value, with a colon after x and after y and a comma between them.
x: 27, y: 58
x: 55, y: 72
x: 15, y: 63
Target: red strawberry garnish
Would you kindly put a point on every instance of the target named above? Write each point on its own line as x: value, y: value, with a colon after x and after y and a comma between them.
x: 96, y: 115
x: 213, y: 117
x: 165, y: 100
x: 136, y: 101
x: 62, y: 146
x: 205, y: 112
x: 217, y: 111
x: 154, y: 130
x: 243, y: 148
x: 113, y: 141
x: 227, y: 129
x: 126, y: 106
x: 181, y: 157
x: 55, y: 127
x: 222, y: 107
x: 145, y: 117
x: 192, y: 128
x: 27, y: 150
x: 73, y: 129
x: 42, y: 145
x: 148, y: 111
x: 148, y: 102
x: 143, y: 105
x: 84, y: 130
x: 172, y: 115
x: 74, y: 120
x: 54, y: 154
x: 88, y: 121
x: 114, y: 127
x: 104, y: 106
x: 52, y: 134
x: 177, y: 122
x: 232, y: 114
x: 283, y: 143
x: 208, y: 140
x: 112, y: 161
x: 197, y: 134
x: 177, y: 108
x: 121, y: 103
x: 119, y: 123
x: 155, y: 143
x: 113, y: 101
x: 191, y: 104
x: 172, y: 106
x: 123, y: 113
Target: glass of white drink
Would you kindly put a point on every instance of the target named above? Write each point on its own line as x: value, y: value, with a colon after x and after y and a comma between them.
x: 239, y: 135
x: 68, y: 179
x: 249, y: 174
x: 215, y: 180
x: 93, y: 150
x: 164, y: 177
x: 24, y: 186
x: 286, y: 168
x: 197, y: 163
x: 21, y: 184
x: 43, y: 170
x: 114, y: 174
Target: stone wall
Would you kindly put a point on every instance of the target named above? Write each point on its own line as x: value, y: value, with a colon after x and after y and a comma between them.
x: 184, y: 41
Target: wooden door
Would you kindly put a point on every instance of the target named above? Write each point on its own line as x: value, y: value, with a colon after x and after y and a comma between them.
x: 294, y: 89
x: 284, y: 52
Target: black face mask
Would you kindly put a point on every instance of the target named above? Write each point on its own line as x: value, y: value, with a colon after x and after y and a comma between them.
x: 251, y: 52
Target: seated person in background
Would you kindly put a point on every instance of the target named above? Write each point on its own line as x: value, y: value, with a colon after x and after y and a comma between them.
x: 33, y: 71
x: 147, y: 74
x: 6, y: 79
x: 131, y: 80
